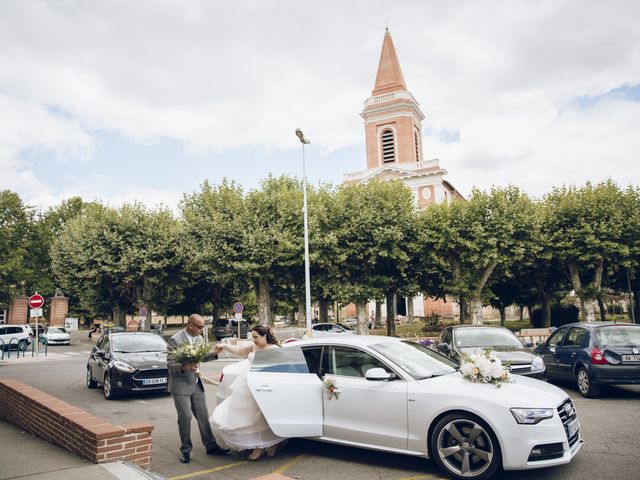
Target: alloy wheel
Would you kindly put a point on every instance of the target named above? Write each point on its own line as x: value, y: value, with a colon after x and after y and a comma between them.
x: 465, y: 448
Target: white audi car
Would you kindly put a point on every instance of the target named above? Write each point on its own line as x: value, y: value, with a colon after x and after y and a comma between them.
x: 400, y: 397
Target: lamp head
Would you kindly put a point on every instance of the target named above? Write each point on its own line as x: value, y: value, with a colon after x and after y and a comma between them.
x: 300, y: 135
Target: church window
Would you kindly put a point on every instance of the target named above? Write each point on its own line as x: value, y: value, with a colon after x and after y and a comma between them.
x: 388, y: 146
x: 415, y: 139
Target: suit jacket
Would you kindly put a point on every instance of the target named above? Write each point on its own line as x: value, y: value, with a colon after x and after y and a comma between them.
x: 183, y: 383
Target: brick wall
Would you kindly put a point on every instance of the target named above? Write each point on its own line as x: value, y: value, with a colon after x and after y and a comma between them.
x: 73, y: 429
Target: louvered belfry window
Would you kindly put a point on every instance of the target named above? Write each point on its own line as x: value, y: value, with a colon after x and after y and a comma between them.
x: 388, y: 147
x: 415, y: 138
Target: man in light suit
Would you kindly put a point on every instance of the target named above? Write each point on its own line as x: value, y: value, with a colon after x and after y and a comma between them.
x: 187, y: 391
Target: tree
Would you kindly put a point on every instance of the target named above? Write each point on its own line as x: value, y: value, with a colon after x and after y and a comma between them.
x: 373, y: 232
x: 213, y: 242
x: 467, y: 241
x: 587, y: 234
x: 273, y: 242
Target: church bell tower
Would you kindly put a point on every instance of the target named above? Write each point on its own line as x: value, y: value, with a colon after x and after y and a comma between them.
x: 393, y: 135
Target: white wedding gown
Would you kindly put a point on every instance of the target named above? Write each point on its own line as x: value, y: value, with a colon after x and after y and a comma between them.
x: 238, y: 423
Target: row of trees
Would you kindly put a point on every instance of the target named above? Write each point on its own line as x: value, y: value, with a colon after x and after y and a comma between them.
x: 367, y: 242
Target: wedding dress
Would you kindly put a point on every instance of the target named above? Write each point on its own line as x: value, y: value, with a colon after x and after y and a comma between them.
x: 238, y: 422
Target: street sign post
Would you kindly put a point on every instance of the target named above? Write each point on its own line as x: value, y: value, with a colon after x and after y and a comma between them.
x: 36, y: 302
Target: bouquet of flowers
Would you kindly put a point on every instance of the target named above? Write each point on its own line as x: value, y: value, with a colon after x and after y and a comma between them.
x: 189, y: 353
x: 484, y: 368
x: 332, y: 389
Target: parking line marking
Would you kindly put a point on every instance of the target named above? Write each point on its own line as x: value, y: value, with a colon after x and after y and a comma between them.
x: 286, y: 466
x: 202, y: 472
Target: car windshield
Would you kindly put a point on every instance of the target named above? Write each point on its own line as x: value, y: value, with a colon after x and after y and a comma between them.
x: 56, y: 330
x: 619, y: 336
x: 136, y: 343
x: 485, y: 337
x: 222, y: 323
x: 418, y: 361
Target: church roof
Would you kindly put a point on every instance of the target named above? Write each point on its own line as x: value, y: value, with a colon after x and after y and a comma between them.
x: 389, y: 77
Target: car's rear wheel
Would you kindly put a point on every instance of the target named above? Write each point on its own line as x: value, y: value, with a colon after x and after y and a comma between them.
x: 107, y: 388
x: 585, y: 384
x: 22, y: 345
x: 465, y: 447
x: 91, y: 383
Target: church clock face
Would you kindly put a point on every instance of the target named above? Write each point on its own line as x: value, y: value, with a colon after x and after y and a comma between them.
x: 425, y: 194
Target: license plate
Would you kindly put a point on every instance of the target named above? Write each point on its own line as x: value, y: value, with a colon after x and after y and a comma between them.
x: 573, y: 426
x: 631, y: 358
x: 154, y: 381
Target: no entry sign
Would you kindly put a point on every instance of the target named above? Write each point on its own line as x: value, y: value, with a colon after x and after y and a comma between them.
x: 36, y: 301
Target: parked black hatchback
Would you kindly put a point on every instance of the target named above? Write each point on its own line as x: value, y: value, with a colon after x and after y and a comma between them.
x: 466, y: 339
x: 128, y: 362
x: 593, y: 354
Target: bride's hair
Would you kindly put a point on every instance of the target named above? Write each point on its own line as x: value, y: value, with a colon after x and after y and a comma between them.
x: 265, y: 331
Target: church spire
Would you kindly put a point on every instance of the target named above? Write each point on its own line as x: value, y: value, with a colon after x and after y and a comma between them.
x: 389, y: 78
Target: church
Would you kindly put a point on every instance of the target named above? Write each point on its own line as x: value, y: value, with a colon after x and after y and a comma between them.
x: 393, y: 136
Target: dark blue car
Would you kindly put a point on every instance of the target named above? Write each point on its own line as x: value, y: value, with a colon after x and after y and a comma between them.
x: 593, y: 354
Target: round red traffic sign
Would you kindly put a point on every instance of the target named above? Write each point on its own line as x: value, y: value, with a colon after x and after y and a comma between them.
x: 36, y: 301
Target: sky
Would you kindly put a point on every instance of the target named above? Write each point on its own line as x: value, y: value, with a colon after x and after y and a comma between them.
x: 122, y: 101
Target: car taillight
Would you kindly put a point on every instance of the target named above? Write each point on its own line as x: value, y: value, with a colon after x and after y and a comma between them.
x: 597, y: 357
x: 221, y: 377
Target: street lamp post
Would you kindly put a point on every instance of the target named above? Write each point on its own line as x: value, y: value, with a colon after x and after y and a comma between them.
x: 307, y: 276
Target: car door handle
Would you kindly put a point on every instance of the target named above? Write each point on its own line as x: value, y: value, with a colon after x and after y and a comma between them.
x: 264, y: 388
x: 573, y: 354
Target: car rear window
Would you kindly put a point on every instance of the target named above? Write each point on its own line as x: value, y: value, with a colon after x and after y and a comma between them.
x: 280, y: 360
x: 619, y: 336
x: 221, y: 323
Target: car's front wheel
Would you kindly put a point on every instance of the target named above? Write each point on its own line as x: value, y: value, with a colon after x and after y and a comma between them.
x: 91, y: 383
x: 585, y: 384
x: 107, y: 388
x: 465, y: 447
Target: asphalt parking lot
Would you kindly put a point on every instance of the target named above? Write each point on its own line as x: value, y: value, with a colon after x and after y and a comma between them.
x: 610, y: 429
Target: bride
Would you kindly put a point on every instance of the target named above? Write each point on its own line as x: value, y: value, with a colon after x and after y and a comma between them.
x: 238, y: 422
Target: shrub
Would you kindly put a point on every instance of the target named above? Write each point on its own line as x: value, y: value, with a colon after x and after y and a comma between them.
x: 431, y: 323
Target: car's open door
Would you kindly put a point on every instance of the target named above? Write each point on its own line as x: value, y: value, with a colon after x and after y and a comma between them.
x: 289, y: 396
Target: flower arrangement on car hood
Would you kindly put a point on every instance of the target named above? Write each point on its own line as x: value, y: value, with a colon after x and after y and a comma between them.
x: 483, y: 367
x: 189, y: 353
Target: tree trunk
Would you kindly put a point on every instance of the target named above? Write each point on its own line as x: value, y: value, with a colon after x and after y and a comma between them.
x: 300, y: 318
x: 636, y: 305
x: 410, y: 309
x: 323, y: 310
x: 391, y: 314
x: 118, y: 316
x: 264, y: 301
x: 378, y: 315
x: 215, y: 298
x: 546, y: 311
x: 463, y: 310
x: 574, y: 275
x: 603, y: 310
x: 475, y: 308
x: 503, y: 315
x: 361, y: 313
x: 521, y: 317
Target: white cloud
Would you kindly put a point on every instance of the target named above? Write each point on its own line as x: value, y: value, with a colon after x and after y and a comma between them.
x: 227, y: 75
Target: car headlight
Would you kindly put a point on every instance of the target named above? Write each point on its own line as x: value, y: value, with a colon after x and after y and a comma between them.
x: 123, y: 367
x: 537, y: 365
x: 531, y: 416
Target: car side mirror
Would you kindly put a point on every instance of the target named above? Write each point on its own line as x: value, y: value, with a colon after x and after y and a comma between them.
x: 528, y: 344
x: 539, y: 343
x: 379, y: 374
x: 444, y: 348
